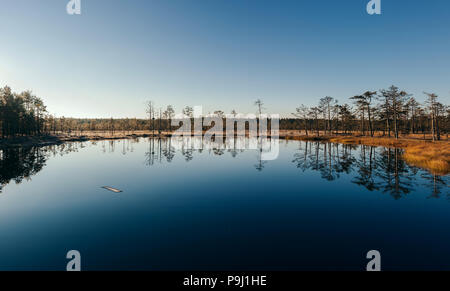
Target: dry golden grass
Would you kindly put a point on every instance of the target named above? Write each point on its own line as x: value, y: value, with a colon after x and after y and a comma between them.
x: 432, y: 156
x: 378, y: 141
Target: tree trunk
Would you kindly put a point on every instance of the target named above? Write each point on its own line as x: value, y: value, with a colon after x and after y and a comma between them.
x: 306, y: 127
x: 395, y: 125
x: 362, y: 123
x: 438, y: 133
x: 317, y: 126
x: 432, y: 126
x: 388, y: 127
x: 370, y: 121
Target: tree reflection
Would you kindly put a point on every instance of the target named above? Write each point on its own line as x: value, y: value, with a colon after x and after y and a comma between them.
x: 188, y: 154
x: 329, y: 159
x: 395, y: 175
x: 366, y: 166
x: 18, y: 164
x: 261, y: 163
x: 168, y: 150
x: 345, y: 159
x: 375, y: 168
x: 150, y: 154
x: 436, y: 184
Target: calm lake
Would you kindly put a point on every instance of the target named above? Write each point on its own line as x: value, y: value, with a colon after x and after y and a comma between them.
x: 318, y: 206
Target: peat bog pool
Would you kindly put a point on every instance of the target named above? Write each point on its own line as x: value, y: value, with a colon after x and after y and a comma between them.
x: 318, y: 206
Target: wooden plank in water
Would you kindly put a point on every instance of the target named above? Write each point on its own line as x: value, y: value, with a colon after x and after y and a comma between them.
x: 112, y: 189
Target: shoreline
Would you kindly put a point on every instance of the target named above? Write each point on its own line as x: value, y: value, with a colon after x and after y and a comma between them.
x: 433, y: 156
x: 48, y: 140
x: 425, y: 154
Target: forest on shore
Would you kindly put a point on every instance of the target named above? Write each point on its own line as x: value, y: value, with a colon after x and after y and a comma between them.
x: 391, y: 112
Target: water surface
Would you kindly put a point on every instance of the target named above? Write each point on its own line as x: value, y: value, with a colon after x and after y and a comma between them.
x: 319, y: 206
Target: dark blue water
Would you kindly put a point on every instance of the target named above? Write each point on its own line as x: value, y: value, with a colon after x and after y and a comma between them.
x: 317, y: 207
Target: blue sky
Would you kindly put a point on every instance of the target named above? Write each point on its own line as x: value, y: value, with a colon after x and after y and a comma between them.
x: 221, y: 54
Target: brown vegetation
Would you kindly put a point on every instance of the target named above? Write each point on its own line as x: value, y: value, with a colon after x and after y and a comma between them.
x: 432, y: 156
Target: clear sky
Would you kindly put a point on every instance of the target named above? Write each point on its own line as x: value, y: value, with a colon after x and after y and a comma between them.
x: 222, y: 54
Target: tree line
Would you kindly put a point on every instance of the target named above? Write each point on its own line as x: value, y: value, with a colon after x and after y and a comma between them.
x: 21, y: 113
x: 390, y: 112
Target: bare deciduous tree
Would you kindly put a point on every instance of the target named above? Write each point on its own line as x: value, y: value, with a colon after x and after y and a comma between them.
x: 303, y: 112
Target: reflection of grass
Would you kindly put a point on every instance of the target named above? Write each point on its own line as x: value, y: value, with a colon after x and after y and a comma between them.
x: 433, y: 156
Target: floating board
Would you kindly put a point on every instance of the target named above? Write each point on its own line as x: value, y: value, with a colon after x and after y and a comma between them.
x: 112, y: 189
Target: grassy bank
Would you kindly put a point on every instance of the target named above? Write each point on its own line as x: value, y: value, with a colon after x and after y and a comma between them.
x: 429, y: 155
x: 433, y: 156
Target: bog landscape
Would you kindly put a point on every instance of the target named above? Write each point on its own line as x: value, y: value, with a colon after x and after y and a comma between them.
x: 238, y: 135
